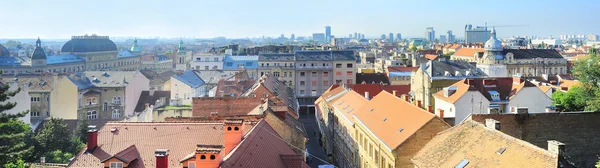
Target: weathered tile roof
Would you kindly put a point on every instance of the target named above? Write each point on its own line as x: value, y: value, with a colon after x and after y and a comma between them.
x: 189, y: 78
x: 151, y: 100
x: 481, y: 147
x: 533, y: 53
x: 89, y: 79
x: 468, y: 52
x: 35, y: 82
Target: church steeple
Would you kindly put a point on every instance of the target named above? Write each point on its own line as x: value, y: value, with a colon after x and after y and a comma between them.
x: 181, y: 47
x: 135, y: 48
x: 38, y: 42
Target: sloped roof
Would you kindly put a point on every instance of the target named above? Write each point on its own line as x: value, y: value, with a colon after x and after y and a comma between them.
x: 89, y: 79
x: 481, y: 146
x: 467, y: 52
x: 127, y: 155
x: 263, y: 147
x: 126, y: 54
x: 372, y: 78
x: 402, y: 69
x: 348, y: 104
x: 505, y: 87
x: 533, y: 53
x: 204, y: 106
x: 151, y: 100
x: 438, y: 69
x: 431, y: 56
x: 35, y: 82
x: 189, y: 78
x: 157, y: 78
x: 276, y: 57
x: 63, y: 59
x: 89, y: 44
x: 392, y: 119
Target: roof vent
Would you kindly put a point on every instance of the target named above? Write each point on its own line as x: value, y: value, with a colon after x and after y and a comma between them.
x: 371, y: 110
x: 456, y: 73
x: 114, y: 129
x: 462, y: 163
x: 15, y: 79
x: 105, y: 74
x: 400, y: 130
x: 448, y: 91
x: 42, y: 83
x: 500, y: 151
x: 467, y: 73
x: 384, y: 119
x: 446, y: 73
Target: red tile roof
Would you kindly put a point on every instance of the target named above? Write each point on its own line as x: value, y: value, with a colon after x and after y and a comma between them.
x: 207, y: 106
x: 467, y: 52
x: 402, y: 69
x: 263, y: 147
x: 375, y: 89
x: 431, y: 56
x: 126, y: 155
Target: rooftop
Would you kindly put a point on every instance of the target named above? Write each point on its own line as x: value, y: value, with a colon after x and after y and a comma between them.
x: 63, y: 59
x: 89, y: 79
x: 189, y: 78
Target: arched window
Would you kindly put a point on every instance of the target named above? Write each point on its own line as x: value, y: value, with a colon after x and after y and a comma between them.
x: 116, y: 114
x: 105, y: 107
x: 116, y: 100
x: 92, y: 115
x: 91, y: 101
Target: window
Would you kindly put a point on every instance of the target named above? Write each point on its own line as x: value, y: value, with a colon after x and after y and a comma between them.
x: 301, y: 92
x: 338, y: 81
x: 35, y: 114
x: 47, y: 98
x: 105, y: 107
x: 116, y: 100
x: 314, y: 83
x: 116, y: 114
x: 326, y: 83
x: 248, y: 64
x: 92, y: 115
x: 216, y: 59
x: 349, y: 73
x: 349, y: 81
x: 191, y: 164
x: 284, y: 74
x: 91, y: 101
x: 229, y: 63
x: 206, y: 67
x: 314, y: 74
x: 116, y: 165
x: 302, y: 83
x: 198, y: 59
x: 338, y: 65
x: 262, y: 64
x: 266, y: 95
x: 302, y: 74
x: 314, y: 92
x: 349, y: 65
x: 276, y: 74
x: 325, y: 74
x: 35, y: 99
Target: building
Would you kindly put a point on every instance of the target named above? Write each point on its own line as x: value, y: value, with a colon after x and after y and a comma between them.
x: 157, y: 63
x: 207, y: 62
x: 319, y: 37
x: 38, y: 87
x: 578, y: 146
x: 342, y: 123
x: 401, y: 75
x: 327, y: 33
x: 390, y: 137
x: 182, y: 58
x: 239, y: 63
x: 281, y: 66
x: 64, y: 93
x: 484, y: 146
x: 22, y: 99
x: 230, y: 145
x: 391, y: 37
x: 443, y: 38
x: 79, y: 54
x: 430, y: 34
x: 157, y: 80
x: 467, y: 54
x: 193, y: 83
x: 315, y: 72
x: 479, y: 34
x: 451, y: 37
x: 499, y: 62
x: 108, y: 95
x: 435, y: 75
x: 489, y: 96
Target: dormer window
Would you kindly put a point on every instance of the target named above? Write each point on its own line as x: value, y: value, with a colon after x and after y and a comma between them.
x: 494, y: 95
x: 446, y: 73
x: 116, y: 165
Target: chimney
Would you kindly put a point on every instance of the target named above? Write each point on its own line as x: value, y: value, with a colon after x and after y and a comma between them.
x: 92, y: 138
x: 395, y: 93
x: 430, y: 108
x: 151, y: 92
x: 493, y: 124
x: 405, y: 97
x: 517, y: 80
x: 233, y: 133
x: 162, y: 158
x: 367, y: 95
x: 556, y: 147
x: 208, y: 156
x: 419, y: 103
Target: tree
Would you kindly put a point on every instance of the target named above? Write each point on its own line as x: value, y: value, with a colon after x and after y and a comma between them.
x: 19, y: 163
x: 572, y: 100
x: 413, y: 48
x: 81, y: 130
x: 588, y: 73
x: 58, y: 156
x: 13, y: 132
x: 54, y: 136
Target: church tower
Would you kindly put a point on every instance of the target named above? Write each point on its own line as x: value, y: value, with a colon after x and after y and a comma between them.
x: 493, y: 60
x: 135, y: 48
x: 182, y: 58
x: 38, y: 57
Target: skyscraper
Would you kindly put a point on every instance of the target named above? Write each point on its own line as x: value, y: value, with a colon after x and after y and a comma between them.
x: 391, y: 37
x: 356, y: 36
x: 450, y: 37
x: 293, y: 36
x: 362, y: 36
x: 383, y: 36
x: 430, y: 34
x: 442, y: 38
x: 399, y: 36
x: 328, y: 33
x: 350, y: 36
x: 479, y: 34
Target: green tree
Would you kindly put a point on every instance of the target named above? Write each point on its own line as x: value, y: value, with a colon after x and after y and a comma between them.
x: 588, y: 73
x: 19, y: 163
x: 11, y: 44
x: 13, y: 132
x: 54, y: 136
x: 413, y: 48
x: 572, y: 100
x: 81, y: 130
x: 58, y: 156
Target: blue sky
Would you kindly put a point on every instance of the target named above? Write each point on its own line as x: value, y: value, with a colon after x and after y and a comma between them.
x: 253, y: 18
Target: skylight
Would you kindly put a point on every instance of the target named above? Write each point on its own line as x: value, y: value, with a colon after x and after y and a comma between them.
x: 500, y: 151
x: 462, y: 163
x: 371, y: 110
x: 384, y: 119
x: 400, y: 130
x: 341, y: 102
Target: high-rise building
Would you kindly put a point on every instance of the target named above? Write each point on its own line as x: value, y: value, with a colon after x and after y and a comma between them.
x: 450, y: 36
x: 399, y: 36
x: 391, y: 37
x: 293, y: 36
x: 479, y: 34
x: 383, y: 36
x: 327, y: 33
x: 319, y: 37
x: 430, y: 34
x: 442, y: 38
x: 362, y: 36
x: 282, y: 36
x: 350, y: 36
x: 356, y: 35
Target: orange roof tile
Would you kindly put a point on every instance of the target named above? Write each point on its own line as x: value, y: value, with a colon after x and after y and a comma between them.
x: 544, y: 88
x: 431, y: 56
x: 570, y: 83
x: 392, y: 119
x: 461, y: 89
x: 348, y: 104
x: 455, y: 46
x: 579, y: 57
x: 403, y: 69
x: 482, y: 147
x: 467, y: 52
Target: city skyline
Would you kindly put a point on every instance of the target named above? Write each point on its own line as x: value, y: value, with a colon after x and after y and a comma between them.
x: 241, y: 19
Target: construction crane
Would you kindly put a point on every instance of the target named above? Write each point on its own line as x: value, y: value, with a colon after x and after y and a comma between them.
x: 511, y: 26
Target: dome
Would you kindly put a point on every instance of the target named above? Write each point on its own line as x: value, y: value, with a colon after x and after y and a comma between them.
x: 87, y: 43
x: 493, y: 44
x: 38, y: 52
x: 4, y: 51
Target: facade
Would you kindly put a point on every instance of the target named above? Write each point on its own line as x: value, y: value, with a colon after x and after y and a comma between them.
x: 435, y: 75
x: 108, y: 95
x: 182, y: 58
x: 489, y: 96
x: 400, y: 75
x: 315, y: 72
x: 159, y: 63
x: 319, y: 37
x: 79, y: 54
x: 430, y: 34
x: 64, y: 93
x: 327, y: 33
x: 207, y: 62
x: 186, y: 85
x: 239, y: 63
x: 22, y: 98
x: 476, y: 35
x: 38, y: 88
x: 484, y: 146
x: 281, y: 66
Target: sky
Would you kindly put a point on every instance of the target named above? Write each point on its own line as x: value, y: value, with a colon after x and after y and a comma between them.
x: 255, y: 18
